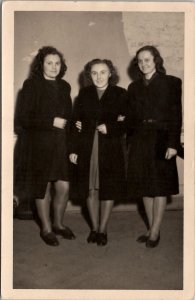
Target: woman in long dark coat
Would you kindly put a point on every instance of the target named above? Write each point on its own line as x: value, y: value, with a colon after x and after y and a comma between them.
x: 44, y: 113
x: 154, y: 117
x: 97, y: 147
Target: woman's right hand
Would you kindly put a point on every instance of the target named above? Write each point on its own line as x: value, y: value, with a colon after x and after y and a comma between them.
x: 78, y: 125
x: 59, y: 122
x: 73, y: 158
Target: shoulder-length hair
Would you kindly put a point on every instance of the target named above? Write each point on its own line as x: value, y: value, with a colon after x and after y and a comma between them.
x: 113, y: 79
x: 158, y: 60
x: 36, y: 69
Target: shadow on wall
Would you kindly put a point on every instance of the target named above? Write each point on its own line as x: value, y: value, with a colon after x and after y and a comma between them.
x: 133, y: 71
x: 24, y: 207
x: 82, y: 80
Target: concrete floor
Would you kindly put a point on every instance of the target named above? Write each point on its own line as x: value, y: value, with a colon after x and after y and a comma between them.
x: 122, y: 264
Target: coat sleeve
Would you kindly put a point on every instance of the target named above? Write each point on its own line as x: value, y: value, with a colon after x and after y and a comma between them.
x: 74, y: 132
x: 175, y: 116
x: 28, y: 117
x: 130, y: 120
x: 117, y: 128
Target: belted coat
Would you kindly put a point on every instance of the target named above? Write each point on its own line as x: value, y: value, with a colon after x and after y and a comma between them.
x: 153, y: 121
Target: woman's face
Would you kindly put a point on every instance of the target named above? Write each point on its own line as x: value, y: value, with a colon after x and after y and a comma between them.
x: 146, y: 62
x: 100, y: 74
x: 51, y: 66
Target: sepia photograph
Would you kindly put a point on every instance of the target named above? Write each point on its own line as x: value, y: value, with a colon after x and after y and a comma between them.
x: 98, y: 150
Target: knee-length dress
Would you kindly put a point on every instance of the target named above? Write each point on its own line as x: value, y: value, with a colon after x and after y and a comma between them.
x: 94, y: 164
x: 43, y: 151
x: 154, y: 124
x: 100, y: 156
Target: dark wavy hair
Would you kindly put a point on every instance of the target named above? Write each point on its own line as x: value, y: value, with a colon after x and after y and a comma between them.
x: 36, y: 69
x: 158, y: 60
x: 113, y: 79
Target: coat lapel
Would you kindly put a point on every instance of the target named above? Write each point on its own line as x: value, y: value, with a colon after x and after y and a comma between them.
x: 104, y: 96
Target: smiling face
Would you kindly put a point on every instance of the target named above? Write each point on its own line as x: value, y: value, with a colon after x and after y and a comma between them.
x: 100, y: 74
x: 146, y: 63
x: 51, y: 66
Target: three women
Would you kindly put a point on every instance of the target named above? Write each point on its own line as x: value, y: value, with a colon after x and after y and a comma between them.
x: 153, y: 119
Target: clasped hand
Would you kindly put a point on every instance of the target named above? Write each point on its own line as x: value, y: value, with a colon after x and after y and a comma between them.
x: 170, y: 153
x: 59, y: 122
x: 73, y: 158
x: 101, y: 128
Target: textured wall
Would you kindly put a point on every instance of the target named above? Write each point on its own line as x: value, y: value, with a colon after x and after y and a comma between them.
x: 82, y: 36
x: 163, y: 30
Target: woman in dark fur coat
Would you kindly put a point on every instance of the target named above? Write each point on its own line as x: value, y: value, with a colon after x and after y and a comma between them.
x: 154, y: 121
x: 97, y: 148
x: 43, y: 115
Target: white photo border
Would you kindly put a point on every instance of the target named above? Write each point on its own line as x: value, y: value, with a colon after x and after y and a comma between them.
x: 8, y: 9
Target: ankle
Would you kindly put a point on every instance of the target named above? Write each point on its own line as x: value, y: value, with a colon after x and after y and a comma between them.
x: 95, y: 228
x: 102, y: 231
x: 59, y: 225
x: 154, y: 234
x: 46, y: 230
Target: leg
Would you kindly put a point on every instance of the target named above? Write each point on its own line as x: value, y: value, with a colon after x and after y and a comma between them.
x: 106, y: 209
x: 149, y: 207
x: 159, y: 209
x: 43, y: 210
x: 60, y: 202
x: 93, y: 207
x: 148, y: 204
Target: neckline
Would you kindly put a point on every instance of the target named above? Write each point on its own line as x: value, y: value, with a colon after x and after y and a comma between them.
x: 148, y: 81
x: 50, y: 81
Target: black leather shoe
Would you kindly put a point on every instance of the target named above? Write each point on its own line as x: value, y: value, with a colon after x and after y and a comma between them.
x: 151, y: 243
x: 66, y: 233
x: 92, y: 238
x: 102, y: 239
x: 49, y: 238
x: 142, y: 239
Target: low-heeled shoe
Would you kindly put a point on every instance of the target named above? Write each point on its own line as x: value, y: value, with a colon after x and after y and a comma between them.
x: 142, y: 239
x: 102, y: 239
x: 49, y: 238
x: 66, y: 233
x: 151, y: 243
x: 92, y: 238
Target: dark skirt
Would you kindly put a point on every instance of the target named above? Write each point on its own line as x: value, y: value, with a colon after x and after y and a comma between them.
x: 59, y: 168
x: 35, y: 165
x: 149, y: 173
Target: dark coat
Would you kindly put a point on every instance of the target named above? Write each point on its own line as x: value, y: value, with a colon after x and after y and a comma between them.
x: 154, y: 123
x: 92, y: 112
x: 35, y: 113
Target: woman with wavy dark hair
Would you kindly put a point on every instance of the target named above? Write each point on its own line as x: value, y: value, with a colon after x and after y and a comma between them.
x: 96, y: 145
x: 112, y: 80
x: 36, y: 69
x: 44, y: 115
x: 158, y: 60
x: 154, y: 120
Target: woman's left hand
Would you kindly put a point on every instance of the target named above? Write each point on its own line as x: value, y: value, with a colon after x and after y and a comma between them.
x: 102, y: 128
x: 120, y: 118
x: 170, y: 153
